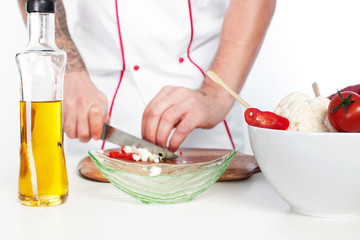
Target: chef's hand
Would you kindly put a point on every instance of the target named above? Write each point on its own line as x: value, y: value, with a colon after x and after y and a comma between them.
x: 181, y: 109
x: 85, y: 107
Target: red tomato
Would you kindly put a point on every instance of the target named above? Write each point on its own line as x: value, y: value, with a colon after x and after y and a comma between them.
x: 344, y: 112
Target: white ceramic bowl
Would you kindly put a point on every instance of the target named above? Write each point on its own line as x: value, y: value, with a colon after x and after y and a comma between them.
x: 317, y: 174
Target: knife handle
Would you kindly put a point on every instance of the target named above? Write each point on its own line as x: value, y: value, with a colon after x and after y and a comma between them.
x: 104, y: 131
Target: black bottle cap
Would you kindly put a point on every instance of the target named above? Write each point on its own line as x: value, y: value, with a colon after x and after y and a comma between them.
x: 42, y: 6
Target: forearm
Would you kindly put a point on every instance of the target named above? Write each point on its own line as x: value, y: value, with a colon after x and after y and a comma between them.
x: 75, y: 62
x: 241, y: 37
x: 64, y: 41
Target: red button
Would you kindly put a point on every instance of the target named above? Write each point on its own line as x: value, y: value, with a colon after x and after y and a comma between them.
x: 136, y: 67
x: 181, y: 59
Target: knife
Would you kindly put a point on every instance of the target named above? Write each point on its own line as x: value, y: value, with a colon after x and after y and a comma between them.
x: 116, y: 136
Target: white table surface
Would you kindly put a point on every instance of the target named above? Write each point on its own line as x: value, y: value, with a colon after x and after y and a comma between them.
x: 248, y: 209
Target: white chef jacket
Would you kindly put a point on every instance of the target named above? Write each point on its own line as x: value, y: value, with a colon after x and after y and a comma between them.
x: 133, y: 48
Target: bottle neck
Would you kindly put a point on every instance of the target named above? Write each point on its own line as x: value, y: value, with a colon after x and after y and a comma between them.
x: 41, y: 31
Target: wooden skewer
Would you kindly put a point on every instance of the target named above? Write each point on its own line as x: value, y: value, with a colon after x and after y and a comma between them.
x: 316, y: 89
x: 219, y: 81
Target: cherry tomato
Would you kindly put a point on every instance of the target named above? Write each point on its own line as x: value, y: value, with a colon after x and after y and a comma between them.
x: 257, y: 118
x: 344, y: 112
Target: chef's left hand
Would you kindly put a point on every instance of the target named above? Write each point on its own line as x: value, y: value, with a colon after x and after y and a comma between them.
x: 183, y: 109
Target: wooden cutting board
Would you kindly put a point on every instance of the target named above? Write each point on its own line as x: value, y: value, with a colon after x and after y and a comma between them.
x: 242, y: 166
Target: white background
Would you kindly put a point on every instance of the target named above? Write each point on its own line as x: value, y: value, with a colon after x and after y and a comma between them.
x: 308, y: 40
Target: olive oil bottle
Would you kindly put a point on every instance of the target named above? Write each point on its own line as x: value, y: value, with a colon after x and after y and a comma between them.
x: 43, y: 178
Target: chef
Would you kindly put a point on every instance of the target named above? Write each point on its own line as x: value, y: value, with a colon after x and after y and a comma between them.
x: 141, y: 65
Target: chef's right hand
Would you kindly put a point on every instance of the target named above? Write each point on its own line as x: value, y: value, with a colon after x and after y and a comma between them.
x: 85, y: 107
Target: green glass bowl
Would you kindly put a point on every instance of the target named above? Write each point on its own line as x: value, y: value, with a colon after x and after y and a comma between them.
x: 161, y: 182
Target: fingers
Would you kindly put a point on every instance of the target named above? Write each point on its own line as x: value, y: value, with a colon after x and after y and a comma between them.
x: 85, y: 122
x: 192, y: 116
x: 153, y: 113
x: 85, y: 107
x: 179, y: 108
x: 83, y: 131
x: 168, y: 121
x: 184, y: 128
x: 97, y: 117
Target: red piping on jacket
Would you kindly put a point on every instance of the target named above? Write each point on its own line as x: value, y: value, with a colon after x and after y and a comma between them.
x: 123, y: 60
x: 202, y: 71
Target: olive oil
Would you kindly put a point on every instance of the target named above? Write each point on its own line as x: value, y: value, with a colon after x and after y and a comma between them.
x: 43, y: 177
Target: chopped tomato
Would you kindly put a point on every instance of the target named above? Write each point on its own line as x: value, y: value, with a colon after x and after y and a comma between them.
x: 121, y: 154
x: 257, y: 118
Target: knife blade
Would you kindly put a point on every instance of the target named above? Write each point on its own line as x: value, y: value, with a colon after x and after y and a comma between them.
x: 116, y: 136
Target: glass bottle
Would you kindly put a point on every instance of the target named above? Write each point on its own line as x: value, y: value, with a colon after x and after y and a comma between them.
x: 43, y: 177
